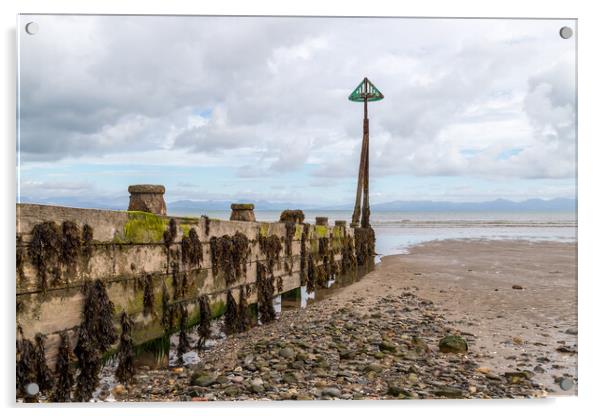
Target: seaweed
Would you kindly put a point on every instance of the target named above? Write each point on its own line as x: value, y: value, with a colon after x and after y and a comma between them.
x: 63, y: 371
x: 105, y: 333
x: 207, y: 224
x: 244, y: 319
x: 296, y: 216
x: 20, y: 259
x: 270, y: 246
x: 288, y: 240
x: 348, y: 260
x: 71, y: 244
x: 43, y: 376
x: 323, y: 246
x: 364, y: 245
x: 169, y: 235
x: 167, y: 316
x: 192, y: 250
x: 45, y: 252
x: 204, y: 328
x: 312, y: 274
x: 231, y: 318
x: 175, y: 280
x: 26, y: 365
x: 303, y: 259
x: 87, y: 237
x: 184, y: 285
x: 125, y: 353
x: 88, y: 358
x: 229, y: 255
x: 183, y: 342
x: 148, y: 299
x: 96, y: 334
x: 265, y: 293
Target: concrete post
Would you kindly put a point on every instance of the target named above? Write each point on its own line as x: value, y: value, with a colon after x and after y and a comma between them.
x: 322, y: 221
x: 147, y: 198
x: 242, y: 212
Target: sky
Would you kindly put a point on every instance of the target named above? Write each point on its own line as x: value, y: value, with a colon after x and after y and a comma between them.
x: 233, y: 108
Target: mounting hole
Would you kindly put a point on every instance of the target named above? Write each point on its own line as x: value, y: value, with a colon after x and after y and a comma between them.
x: 566, y: 32
x: 32, y: 28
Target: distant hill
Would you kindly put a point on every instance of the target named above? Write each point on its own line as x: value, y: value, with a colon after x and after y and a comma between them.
x: 180, y: 206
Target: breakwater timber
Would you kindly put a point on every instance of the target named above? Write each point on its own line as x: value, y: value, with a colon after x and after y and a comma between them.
x: 95, y: 283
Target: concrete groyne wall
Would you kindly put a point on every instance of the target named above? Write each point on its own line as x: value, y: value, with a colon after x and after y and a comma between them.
x: 145, y: 258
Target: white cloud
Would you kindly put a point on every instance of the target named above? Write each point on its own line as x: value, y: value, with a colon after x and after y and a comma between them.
x: 268, y: 96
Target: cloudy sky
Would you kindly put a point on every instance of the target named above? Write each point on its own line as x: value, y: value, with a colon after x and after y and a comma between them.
x: 256, y: 108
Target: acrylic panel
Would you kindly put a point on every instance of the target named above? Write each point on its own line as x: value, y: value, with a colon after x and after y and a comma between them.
x: 218, y: 208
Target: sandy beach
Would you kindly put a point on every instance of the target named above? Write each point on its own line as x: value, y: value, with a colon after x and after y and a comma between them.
x: 472, y: 281
x: 378, y: 338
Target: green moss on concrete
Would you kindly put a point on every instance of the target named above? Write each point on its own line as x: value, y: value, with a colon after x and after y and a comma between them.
x: 321, y: 230
x: 338, y: 232
x: 185, y: 229
x: 143, y: 227
x: 298, y: 231
x: 218, y: 308
x: 313, y: 245
x: 264, y: 229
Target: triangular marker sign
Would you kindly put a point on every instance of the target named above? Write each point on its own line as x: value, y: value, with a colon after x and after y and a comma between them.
x: 366, y: 90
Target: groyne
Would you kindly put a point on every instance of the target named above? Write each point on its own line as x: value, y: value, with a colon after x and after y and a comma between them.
x: 156, y: 268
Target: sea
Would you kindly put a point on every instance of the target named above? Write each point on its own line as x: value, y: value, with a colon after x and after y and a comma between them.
x: 396, y: 232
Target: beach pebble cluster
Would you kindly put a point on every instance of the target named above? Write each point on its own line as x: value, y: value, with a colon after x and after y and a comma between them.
x: 398, y: 348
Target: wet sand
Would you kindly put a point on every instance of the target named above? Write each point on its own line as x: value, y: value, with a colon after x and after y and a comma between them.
x: 470, y: 281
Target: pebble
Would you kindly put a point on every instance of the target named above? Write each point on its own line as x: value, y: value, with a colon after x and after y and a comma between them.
x: 341, y: 355
x: 566, y: 383
x: 331, y: 392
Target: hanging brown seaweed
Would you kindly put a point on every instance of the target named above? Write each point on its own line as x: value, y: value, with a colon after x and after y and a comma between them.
x: 63, y: 371
x: 43, y: 376
x: 244, y: 320
x: 229, y: 255
x: 96, y: 334
x: 192, y: 250
x: 184, y: 286
x: 70, y: 246
x: 348, y: 261
x: 288, y: 240
x: 207, y: 224
x: 26, y: 365
x: 323, y: 246
x: 45, y: 252
x: 204, y: 328
x: 167, y: 317
x: 148, y: 298
x: 270, y: 246
x: 183, y: 342
x: 303, y: 259
x: 20, y: 259
x: 265, y: 294
x: 104, y: 333
x: 87, y: 237
x: 231, y: 318
x: 311, y: 274
x: 169, y: 235
x: 125, y: 353
x: 88, y: 359
x: 175, y: 280
x: 364, y: 245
